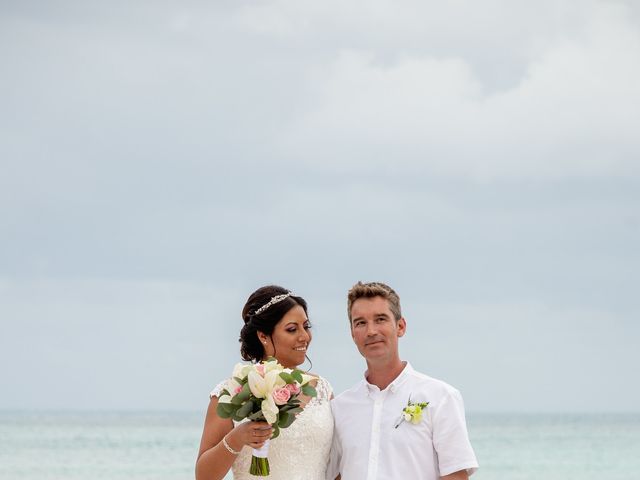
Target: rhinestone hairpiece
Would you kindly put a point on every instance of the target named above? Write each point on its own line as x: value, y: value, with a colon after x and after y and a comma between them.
x: 273, y: 301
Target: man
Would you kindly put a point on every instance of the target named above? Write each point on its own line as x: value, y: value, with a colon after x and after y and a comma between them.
x: 396, y: 423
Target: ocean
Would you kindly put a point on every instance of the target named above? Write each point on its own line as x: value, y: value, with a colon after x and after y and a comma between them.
x: 150, y: 446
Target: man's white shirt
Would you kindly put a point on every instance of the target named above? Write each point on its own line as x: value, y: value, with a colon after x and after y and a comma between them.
x: 368, y: 446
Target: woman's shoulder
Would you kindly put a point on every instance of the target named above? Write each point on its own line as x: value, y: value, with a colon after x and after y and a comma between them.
x: 323, y: 386
x: 218, y: 389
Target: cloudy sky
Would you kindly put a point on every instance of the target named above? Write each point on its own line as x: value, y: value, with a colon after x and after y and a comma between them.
x: 161, y: 160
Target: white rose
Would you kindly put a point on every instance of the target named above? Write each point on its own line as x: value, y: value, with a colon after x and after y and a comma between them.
x: 241, y: 370
x: 272, y: 365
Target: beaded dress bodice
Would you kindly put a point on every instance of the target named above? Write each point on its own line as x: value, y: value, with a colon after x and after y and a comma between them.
x: 301, y: 451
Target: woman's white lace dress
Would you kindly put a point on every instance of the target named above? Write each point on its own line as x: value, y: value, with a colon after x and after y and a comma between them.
x: 301, y: 451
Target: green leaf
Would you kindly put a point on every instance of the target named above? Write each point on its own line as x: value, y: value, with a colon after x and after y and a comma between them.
x: 294, y: 411
x: 283, y: 418
x: 243, y: 396
x: 223, y: 411
x: 290, y: 407
x: 297, y: 374
x: 287, y: 420
x: 287, y: 377
x: 309, y: 391
x: 256, y: 416
x: 226, y: 410
x: 244, y: 410
x: 246, y: 390
x: 276, y: 431
x: 237, y: 418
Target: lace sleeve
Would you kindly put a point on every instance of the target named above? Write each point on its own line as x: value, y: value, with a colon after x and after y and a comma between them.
x: 323, y: 387
x: 216, y: 391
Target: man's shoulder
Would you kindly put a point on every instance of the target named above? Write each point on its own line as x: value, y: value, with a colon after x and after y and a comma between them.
x: 431, y: 384
x: 349, y: 403
x: 349, y: 394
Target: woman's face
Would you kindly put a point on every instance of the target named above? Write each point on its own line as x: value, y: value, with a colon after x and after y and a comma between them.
x: 290, y: 338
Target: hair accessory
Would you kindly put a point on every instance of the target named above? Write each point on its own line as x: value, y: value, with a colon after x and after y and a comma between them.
x: 273, y: 301
x: 226, y: 445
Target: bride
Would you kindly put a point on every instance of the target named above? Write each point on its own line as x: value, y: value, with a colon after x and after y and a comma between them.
x: 275, y: 325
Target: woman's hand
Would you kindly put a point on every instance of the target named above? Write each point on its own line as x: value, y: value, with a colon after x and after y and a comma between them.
x: 254, y: 434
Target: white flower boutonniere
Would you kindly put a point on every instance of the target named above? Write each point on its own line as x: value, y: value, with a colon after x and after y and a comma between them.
x: 412, y: 413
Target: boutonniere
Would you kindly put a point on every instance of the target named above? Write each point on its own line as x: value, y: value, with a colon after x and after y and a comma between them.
x: 412, y: 413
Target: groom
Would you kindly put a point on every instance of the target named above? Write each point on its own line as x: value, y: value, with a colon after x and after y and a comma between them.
x: 396, y: 423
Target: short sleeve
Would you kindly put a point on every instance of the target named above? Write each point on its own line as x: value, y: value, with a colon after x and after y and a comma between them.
x: 450, y: 437
x: 218, y: 388
x: 324, y: 389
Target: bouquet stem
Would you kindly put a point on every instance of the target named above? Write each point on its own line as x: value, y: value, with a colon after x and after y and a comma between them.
x: 260, y: 462
x: 259, y: 467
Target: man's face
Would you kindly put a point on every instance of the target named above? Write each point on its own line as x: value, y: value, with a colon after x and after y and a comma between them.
x: 374, y: 329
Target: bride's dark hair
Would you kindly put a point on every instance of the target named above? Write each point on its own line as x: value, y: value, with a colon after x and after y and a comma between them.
x: 265, y: 321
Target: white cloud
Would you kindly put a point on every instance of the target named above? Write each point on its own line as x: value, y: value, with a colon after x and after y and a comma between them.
x: 396, y: 21
x: 209, y: 148
x: 573, y: 113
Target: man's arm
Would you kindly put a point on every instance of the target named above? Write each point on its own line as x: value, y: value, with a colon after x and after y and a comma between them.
x: 461, y: 475
x: 456, y: 458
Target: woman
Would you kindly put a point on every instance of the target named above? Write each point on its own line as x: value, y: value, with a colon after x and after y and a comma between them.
x: 275, y: 325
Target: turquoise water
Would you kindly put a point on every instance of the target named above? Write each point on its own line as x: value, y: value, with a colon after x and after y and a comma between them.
x: 73, y: 446
x: 554, y: 447
x: 149, y: 446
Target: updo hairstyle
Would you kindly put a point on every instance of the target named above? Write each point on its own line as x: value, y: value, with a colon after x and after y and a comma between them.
x: 250, y: 346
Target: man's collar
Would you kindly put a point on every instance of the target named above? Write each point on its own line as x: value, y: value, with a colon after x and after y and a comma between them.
x: 394, y: 385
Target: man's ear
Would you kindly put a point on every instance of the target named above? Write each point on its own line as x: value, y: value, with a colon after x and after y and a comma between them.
x: 402, y: 327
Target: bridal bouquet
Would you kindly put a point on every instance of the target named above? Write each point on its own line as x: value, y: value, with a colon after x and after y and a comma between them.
x: 264, y: 391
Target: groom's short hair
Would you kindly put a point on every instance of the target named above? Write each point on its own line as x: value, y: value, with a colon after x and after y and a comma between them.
x: 374, y: 289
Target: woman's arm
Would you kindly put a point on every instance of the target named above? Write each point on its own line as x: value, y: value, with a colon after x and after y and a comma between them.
x: 214, y: 458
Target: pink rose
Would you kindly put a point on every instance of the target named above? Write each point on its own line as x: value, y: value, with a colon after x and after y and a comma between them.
x: 281, y: 395
x: 237, y: 390
x: 293, y: 388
